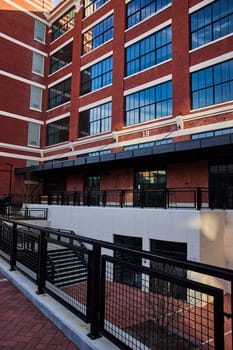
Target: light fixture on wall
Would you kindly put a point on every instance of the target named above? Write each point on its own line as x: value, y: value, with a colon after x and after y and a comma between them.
x: 179, y: 121
x: 71, y: 145
x: 10, y: 178
x: 115, y: 135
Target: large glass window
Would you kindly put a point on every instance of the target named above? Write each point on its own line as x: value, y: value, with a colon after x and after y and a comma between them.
x: 39, y: 31
x: 150, y: 51
x: 98, y: 35
x: 220, y: 132
x: 149, y: 104
x: 137, y: 10
x: 59, y: 94
x: 96, y: 76
x: 36, y: 98
x: 33, y: 134
x: 91, y: 6
x: 63, y: 24
x: 95, y: 120
x: 211, y: 22
x: 57, y: 131
x: 61, y: 58
x: 37, y: 63
x: 212, y: 85
x: 147, y: 144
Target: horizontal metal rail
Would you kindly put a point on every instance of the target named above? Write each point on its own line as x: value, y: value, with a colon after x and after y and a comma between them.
x: 69, y: 267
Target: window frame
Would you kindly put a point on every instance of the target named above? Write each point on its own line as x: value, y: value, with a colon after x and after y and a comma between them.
x: 41, y: 70
x: 89, y: 9
x: 99, y: 32
x: 143, y: 48
x: 96, y: 120
x: 96, y: 77
x: 211, y: 21
x: 57, y: 29
x: 38, y: 23
x: 54, y: 135
x: 141, y: 13
x: 37, y: 92
x: 58, y: 63
x: 135, y: 108
x: 205, y: 82
x: 33, y: 134
x: 63, y: 95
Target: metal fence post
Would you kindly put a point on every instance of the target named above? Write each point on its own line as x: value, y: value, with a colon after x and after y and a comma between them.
x: 94, y: 292
x: 199, y: 198
x: 13, y: 248
x: 219, y: 321
x: 42, y: 255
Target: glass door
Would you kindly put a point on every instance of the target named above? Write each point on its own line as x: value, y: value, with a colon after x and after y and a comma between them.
x: 173, y: 250
x: 149, y: 188
x: 121, y: 273
x: 92, y: 190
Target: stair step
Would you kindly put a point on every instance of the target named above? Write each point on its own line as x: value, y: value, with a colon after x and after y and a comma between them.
x: 63, y: 259
x: 67, y: 283
x: 66, y: 268
x: 69, y: 277
x: 70, y: 273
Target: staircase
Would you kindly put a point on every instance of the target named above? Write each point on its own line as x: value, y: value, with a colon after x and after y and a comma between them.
x: 65, y: 267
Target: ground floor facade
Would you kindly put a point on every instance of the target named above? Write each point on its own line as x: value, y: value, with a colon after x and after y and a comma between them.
x: 204, y: 164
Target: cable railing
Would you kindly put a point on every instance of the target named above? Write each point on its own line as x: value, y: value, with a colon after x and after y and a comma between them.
x: 152, y: 302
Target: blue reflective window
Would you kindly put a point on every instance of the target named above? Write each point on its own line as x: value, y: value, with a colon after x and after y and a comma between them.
x: 91, y: 6
x: 95, y: 120
x: 219, y: 132
x: 147, y: 144
x: 138, y: 10
x: 149, y: 104
x: 211, y: 22
x: 98, y: 35
x: 150, y: 51
x: 212, y: 85
x: 96, y: 76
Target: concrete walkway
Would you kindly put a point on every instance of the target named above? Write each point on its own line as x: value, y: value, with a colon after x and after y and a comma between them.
x: 31, y: 321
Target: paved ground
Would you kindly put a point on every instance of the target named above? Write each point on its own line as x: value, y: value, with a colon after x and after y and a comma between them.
x: 23, y: 326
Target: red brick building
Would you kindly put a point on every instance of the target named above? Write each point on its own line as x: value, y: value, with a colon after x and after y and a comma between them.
x: 116, y: 95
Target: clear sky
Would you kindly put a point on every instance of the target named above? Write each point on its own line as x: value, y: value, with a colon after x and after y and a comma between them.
x: 55, y: 2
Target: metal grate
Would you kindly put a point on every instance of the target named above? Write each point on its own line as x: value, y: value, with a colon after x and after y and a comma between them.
x: 142, y: 319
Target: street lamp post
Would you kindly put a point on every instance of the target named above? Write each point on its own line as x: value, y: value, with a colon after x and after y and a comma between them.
x: 10, y: 179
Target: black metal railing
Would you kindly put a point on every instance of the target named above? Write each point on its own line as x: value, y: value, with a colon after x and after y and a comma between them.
x: 172, y: 198
x: 162, y: 198
x: 151, y: 305
x: 26, y: 213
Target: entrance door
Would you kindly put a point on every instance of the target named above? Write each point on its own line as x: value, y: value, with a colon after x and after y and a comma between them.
x: 122, y: 274
x: 174, y: 250
x: 149, y: 187
x: 92, y: 190
x: 221, y: 186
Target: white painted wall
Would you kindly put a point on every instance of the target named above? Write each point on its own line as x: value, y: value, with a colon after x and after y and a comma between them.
x: 208, y: 234
x: 103, y: 223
